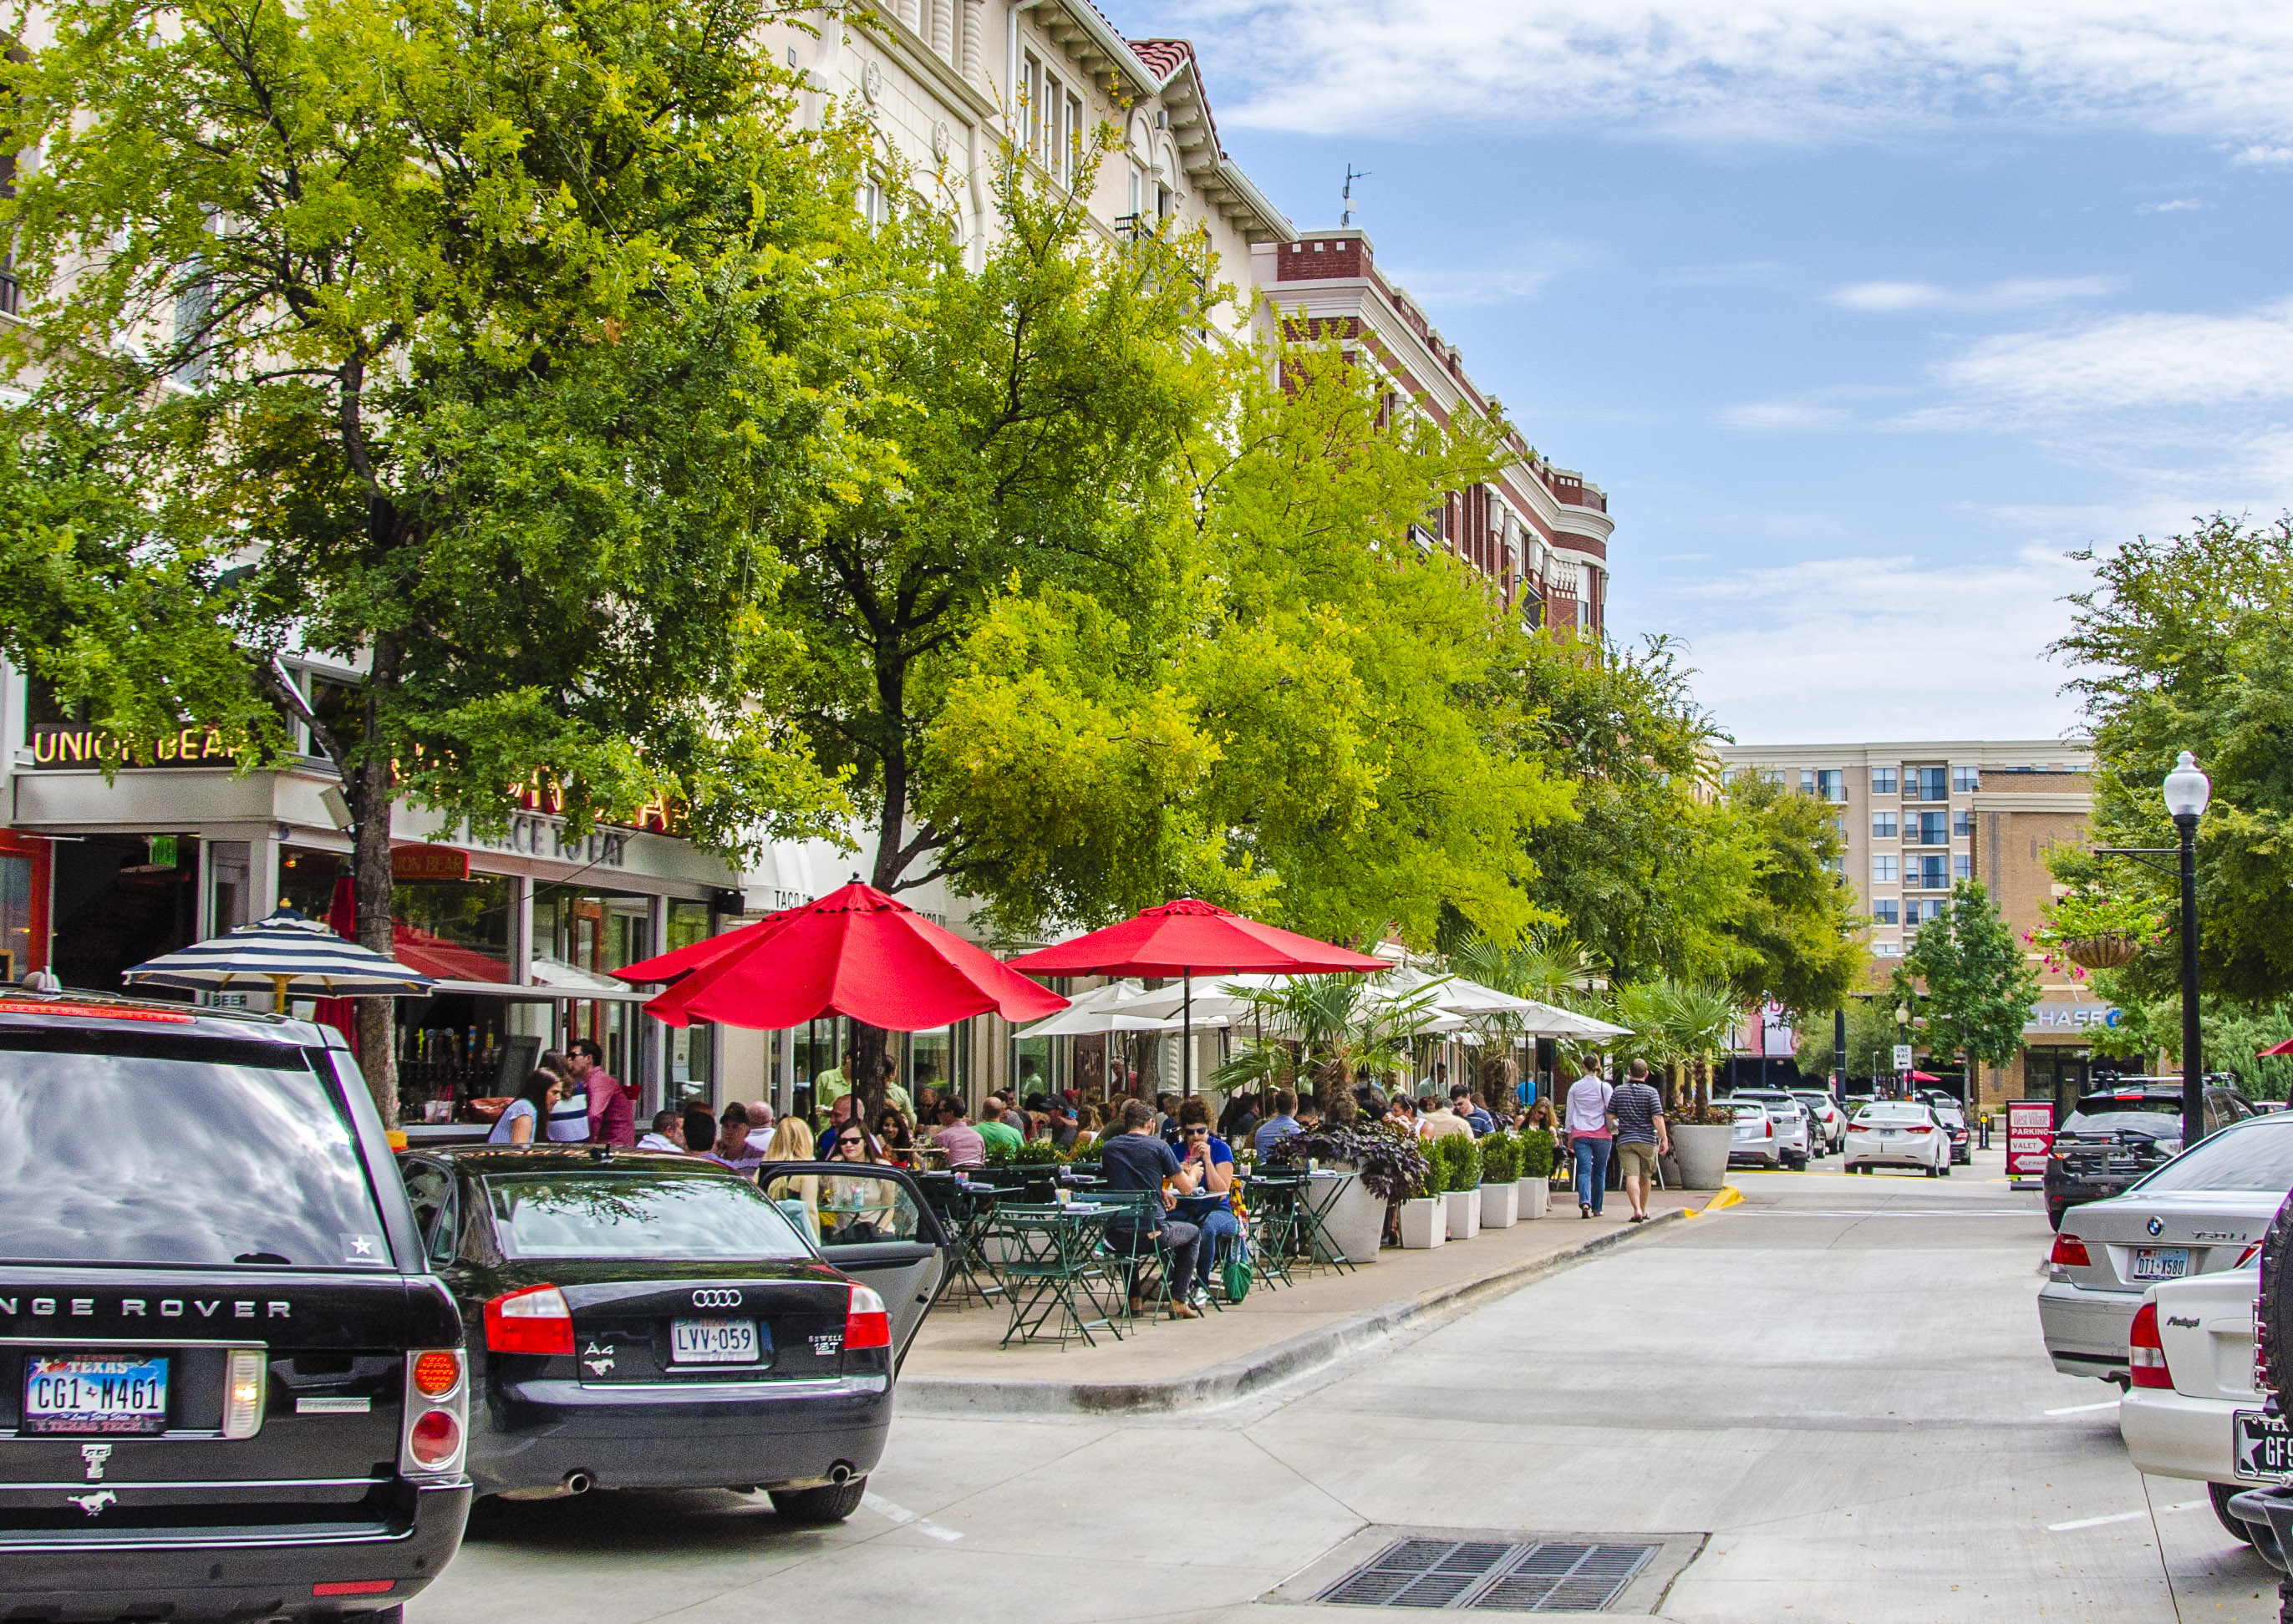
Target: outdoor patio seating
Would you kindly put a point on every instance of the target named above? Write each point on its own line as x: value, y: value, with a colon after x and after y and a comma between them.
x: 1055, y: 1273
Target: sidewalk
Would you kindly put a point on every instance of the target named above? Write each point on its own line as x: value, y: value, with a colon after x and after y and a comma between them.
x: 955, y: 1367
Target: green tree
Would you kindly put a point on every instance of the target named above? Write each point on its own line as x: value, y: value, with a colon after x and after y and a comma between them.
x: 495, y: 346
x: 1871, y: 1034
x: 1795, y: 932
x: 2186, y: 643
x: 1980, y: 986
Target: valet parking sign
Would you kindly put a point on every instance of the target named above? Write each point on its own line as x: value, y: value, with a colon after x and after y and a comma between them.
x: 2030, y: 1136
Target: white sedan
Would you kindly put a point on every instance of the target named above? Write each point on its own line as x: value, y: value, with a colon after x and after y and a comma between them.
x: 1755, y: 1138
x: 1898, y: 1134
x: 2193, y: 1409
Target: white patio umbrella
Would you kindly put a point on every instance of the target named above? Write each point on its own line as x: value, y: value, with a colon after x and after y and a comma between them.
x: 1102, y: 1009
x: 284, y: 954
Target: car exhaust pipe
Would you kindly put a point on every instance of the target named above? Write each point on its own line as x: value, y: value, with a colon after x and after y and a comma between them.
x: 840, y: 1474
x: 568, y: 1486
x: 576, y: 1483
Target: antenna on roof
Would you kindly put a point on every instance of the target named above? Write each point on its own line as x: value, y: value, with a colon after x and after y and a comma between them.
x: 1346, y: 217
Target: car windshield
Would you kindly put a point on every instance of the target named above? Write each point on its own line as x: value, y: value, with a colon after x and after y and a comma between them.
x: 186, y: 1151
x: 673, y: 1215
x: 2259, y: 1158
x: 2145, y: 1124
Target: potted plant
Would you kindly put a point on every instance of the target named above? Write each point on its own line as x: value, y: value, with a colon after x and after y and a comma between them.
x: 1538, y: 1151
x: 1461, y: 1185
x: 2087, y: 930
x: 1500, y: 1181
x: 1391, y: 1167
x: 1425, y: 1211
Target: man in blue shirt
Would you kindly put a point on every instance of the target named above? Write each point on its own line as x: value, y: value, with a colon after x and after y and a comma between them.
x: 1281, y: 1125
x: 1136, y: 1158
x: 1462, y: 1102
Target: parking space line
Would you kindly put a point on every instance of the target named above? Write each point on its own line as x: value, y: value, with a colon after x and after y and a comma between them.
x: 2079, y: 1410
x: 2121, y: 1517
x: 901, y: 1515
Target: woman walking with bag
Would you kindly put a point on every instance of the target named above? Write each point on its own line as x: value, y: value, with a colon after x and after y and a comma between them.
x: 1592, y: 1134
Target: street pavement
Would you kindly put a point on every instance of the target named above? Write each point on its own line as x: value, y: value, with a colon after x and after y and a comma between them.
x: 1832, y: 1397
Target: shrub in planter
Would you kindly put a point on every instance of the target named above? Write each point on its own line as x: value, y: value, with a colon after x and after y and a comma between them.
x: 1037, y: 1152
x: 1538, y: 1151
x: 1460, y: 1158
x: 1502, y: 1157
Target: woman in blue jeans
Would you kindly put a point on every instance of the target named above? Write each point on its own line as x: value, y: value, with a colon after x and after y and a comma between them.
x: 1211, y: 1161
x: 1590, y: 1139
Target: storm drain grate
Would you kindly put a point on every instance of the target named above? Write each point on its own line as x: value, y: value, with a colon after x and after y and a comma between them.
x: 1538, y: 1576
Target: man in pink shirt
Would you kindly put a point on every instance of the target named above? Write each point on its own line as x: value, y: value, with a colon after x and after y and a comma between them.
x: 612, y: 1120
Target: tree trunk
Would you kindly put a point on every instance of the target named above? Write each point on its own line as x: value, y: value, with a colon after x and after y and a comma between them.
x: 372, y: 793
x: 868, y: 1045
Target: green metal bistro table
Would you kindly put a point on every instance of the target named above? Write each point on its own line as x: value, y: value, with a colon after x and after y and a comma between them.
x: 1055, y: 1272
x: 1316, y: 1201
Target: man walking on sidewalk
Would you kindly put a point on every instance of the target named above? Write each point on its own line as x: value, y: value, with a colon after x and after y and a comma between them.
x: 1641, y: 1136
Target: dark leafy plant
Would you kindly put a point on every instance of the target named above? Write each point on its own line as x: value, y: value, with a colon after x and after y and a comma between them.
x: 1392, y: 1166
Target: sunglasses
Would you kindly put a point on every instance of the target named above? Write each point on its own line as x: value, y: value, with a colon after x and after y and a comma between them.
x: 1198, y: 1133
x: 849, y: 1139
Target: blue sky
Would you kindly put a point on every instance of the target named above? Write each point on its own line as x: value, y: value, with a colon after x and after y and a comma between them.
x: 1864, y: 315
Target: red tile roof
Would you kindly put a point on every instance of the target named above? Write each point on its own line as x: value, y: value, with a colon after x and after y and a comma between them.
x: 1165, y: 57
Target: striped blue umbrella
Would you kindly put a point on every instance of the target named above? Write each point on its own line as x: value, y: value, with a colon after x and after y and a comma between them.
x: 285, y: 953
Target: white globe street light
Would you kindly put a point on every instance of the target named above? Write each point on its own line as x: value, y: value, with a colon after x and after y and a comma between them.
x: 2187, y: 791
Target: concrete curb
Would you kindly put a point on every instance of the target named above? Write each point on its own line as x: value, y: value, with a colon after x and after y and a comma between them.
x: 1222, y: 1384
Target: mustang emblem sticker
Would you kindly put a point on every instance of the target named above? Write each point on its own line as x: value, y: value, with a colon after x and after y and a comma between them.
x: 599, y: 1367
x: 94, y: 1504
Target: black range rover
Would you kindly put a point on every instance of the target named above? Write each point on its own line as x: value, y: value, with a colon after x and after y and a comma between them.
x: 230, y: 1386
x: 2123, y: 1132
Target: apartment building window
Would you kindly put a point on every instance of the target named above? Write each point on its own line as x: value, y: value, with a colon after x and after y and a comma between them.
x: 1923, y: 911
x: 1929, y: 782
x: 1774, y: 775
x: 1882, y: 780
x: 1886, y: 910
x: 1883, y: 826
x: 1886, y: 949
x: 1926, y: 873
x: 1729, y: 775
x: 1932, y: 828
x: 1962, y: 867
x: 1807, y: 780
x: 1961, y: 824
x: 1883, y: 869
x: 1138, y: 190
x: 1031, y: 98
x: 1965, y: 780
x: 1074, y: 135
x: 1831, y: 785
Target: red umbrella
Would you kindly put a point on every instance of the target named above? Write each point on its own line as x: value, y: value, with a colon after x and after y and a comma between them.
x: 1189, y: 937
x: 2285, y: 1047
x: 669, y: 967
x: 856, y: 952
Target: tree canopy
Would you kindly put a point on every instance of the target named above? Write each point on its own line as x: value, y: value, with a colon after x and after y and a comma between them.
x: 1980, y: 986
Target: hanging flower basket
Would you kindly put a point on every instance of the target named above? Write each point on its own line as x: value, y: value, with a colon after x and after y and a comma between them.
x: 2109, y: 950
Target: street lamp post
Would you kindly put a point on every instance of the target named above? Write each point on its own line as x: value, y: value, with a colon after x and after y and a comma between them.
x: 2187, y: 791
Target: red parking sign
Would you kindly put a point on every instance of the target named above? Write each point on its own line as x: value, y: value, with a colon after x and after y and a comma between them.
x: 2030, y: 1136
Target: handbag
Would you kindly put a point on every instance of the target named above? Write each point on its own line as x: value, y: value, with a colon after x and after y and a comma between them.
x: 1236, y: 1274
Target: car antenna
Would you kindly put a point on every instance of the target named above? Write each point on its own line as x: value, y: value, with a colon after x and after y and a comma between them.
x: 603, y: 1153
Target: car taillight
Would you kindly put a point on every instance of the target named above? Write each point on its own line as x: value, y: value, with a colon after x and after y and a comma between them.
x: 434, y: 1440
x: 2145, y: 1355
x: 1916, y: 1128
x: 246, y: 1374
x: 534, y: 1320
x: 2070, y: 1253
x: 2247, y: 1255
x: 437, y: 1411
x: 866, y: 1323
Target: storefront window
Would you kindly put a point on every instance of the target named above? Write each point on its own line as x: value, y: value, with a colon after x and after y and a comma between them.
x: 579, y: 938
x: 306, y: 882
x: 1036, y: 1066
x: 15, y: 916
x: 692, y: 1049
x: 931, y: 1062
x: 456, y: 930
x: 119, y: 899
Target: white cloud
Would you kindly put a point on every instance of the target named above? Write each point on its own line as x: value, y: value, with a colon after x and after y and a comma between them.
x: 2017, y: 294
x: 1875, y: 647
x: 2171, y: 206
x: 1782, y: 416
x: 1784, y: 69
x: 2148, y: 359
x: 2265, y: 155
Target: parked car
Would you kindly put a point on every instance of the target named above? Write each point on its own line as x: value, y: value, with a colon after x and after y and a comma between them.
x: 2203, y: 1212
x: 1755, y: 1138
x: 2193, y: 1409
x: 643, y: 1322
x: 1898, y: 1134
x: 1954, y: 1123
x: 235, y: 1388
x: 2119, y: 1135
x: 1795, y: 1124
x: 1828, y: 1118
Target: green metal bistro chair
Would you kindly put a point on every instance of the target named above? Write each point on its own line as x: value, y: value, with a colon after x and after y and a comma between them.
x: 1135, y: 1234
x: 1277, y: 1229
x: 1054, y: 1272
x: 970, y: 1215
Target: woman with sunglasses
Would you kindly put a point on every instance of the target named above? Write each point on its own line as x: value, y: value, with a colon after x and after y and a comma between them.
x: 860, y: 1206
x: 1211, y: 1160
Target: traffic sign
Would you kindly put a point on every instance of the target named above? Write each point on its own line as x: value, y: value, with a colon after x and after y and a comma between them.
x: 1902, y: 1057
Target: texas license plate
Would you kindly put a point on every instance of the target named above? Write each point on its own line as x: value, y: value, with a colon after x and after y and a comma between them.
x: 90, y: 1393
x: 2265, y: 1446
x: 2161, y: 1262
x: 713, y: 1342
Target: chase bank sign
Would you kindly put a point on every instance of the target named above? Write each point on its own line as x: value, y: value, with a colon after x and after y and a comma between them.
x: 2051, y: 1018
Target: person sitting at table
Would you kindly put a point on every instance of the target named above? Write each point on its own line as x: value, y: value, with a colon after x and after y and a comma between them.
x: 892, y: 1135
x: 1281, y: 1125
x: 1136, y: 1159
x: 732, y: 1147
x: 792, y: 1140
x: 839, y: 1114
x: 1059, y: 1124
x: 1210, y: 1160
x: 997, y: 1129
x: 856, y: 1208
x: 1401, y: 1116
x: 963, y: 1142
x: 667, y: 1134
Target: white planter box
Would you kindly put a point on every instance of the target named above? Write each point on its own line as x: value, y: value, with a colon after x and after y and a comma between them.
x: 1535, y: 1197
x: 1702, y: 1150
x: 1354, y: 1225
x: 1424, y: 1221
x: 1499, y: 1205
x: 1464, y: 1213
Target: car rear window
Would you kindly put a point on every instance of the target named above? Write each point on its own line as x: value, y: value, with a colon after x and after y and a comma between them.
x: 674, y: 1215
x: 2148, y: 1104
x: 2149, y: 1124
x: 197, y: 1153
x: 1893, y: 1113
x: 2259, y: 1158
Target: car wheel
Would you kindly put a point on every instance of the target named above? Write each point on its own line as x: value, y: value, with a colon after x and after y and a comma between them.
x: 1946, y: 1169
x: 2219, y: 1494
x: 1933, y: 1171
x: 830, y: 1503
x: 397, y: 1615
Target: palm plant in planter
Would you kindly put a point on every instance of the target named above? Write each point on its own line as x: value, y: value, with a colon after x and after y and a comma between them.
x: 1685, y: 1021
x: 1500, y: 1181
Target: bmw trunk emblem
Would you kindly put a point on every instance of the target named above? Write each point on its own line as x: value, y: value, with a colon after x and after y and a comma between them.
x: 2156, y: 1226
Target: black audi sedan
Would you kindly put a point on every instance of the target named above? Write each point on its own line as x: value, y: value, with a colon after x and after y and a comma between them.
x: 653, y: 1322
x: 2123, y: 1133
